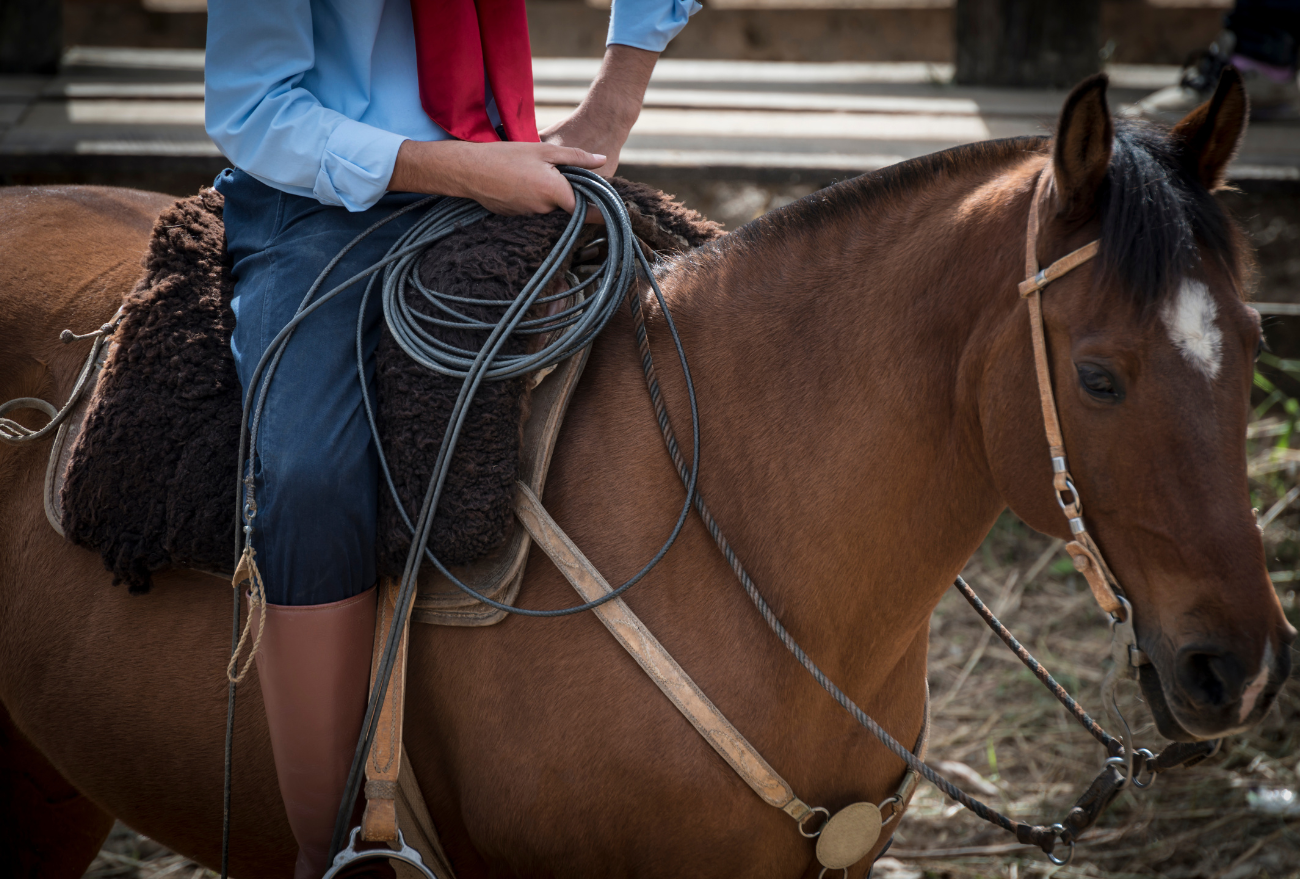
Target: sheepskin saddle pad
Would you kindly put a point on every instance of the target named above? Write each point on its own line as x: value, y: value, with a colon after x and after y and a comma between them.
x: 149, y: 480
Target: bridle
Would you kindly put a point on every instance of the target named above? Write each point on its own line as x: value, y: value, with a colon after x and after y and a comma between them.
x: 1087, y: 556
x: 1083, y: 550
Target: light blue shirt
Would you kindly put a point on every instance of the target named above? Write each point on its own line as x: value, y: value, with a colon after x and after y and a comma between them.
x: 314, y: 97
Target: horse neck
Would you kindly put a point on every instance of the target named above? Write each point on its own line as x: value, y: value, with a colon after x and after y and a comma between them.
x: 838, y: 362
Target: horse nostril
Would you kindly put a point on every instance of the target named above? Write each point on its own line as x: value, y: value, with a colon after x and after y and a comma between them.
x: 1211, y: 680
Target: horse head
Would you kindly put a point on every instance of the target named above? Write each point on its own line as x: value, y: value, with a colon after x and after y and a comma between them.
x: 1151, y: 349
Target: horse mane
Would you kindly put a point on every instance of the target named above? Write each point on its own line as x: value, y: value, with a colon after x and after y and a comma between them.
x: 1157, y: 220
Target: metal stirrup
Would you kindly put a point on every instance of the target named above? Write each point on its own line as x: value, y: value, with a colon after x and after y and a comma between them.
x: 352, y: 855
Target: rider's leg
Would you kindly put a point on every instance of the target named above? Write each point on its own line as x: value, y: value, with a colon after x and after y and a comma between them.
x: 317, y: 484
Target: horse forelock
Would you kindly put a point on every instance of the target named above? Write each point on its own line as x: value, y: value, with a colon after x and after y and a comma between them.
x: 1158, y: 222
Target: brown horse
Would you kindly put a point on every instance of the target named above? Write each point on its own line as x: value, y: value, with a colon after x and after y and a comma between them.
x: 868, y: 405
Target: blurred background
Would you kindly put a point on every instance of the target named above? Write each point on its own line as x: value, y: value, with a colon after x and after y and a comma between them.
x: 758, y: 103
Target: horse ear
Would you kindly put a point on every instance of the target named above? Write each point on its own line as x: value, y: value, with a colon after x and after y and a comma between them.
x: 1210, y: 135
x: 1082, y: 150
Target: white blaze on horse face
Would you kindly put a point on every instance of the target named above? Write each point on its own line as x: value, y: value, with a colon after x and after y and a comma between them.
x: 1190, y: 321
x: 1256, y: 687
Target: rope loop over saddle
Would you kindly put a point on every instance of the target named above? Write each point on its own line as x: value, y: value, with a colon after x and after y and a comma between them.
x: 13, y: 433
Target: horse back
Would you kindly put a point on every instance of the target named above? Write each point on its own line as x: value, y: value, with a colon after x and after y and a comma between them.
x: 68, y: 256
x: 55, y: 239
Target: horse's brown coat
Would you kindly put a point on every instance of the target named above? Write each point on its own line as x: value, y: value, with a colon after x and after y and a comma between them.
x: 868, y: 407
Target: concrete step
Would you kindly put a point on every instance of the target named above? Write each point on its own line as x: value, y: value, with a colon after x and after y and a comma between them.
x: 131, y: 107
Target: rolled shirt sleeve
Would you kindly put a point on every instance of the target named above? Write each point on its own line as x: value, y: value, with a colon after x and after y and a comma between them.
x: 648, y: 24
x: 267, y: 124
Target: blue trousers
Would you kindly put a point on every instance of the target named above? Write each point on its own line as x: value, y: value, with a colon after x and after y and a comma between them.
x: 317, y: 471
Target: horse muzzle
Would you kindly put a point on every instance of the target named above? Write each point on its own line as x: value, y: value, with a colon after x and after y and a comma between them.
x: 1205, y: 692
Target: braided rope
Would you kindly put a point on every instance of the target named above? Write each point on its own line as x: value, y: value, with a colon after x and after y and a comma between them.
x: 1042, y: 836
x: 1111, y: 744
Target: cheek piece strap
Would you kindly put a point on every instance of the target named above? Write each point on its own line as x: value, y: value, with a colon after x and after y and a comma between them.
x: 1087, y: 557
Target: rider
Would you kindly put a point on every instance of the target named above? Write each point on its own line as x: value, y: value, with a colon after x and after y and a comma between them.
x: 335, y: 113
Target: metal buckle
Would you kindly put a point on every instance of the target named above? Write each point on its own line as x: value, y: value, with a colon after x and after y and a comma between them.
x: 826, y: 816
x: 894, y: 812
x: 1148, y: 759
x: 1074, y: 498
x: 403, y: 853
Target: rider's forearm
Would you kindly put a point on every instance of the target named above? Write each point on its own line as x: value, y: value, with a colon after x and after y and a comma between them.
x: 614, y: 99
x: 506, y: 178
x: 439, y: 167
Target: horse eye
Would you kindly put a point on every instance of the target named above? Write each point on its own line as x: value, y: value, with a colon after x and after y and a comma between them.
x: 1098, y: 383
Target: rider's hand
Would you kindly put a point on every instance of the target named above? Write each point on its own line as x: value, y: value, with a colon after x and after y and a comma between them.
x: 606, y: 115
x: 506, y: 178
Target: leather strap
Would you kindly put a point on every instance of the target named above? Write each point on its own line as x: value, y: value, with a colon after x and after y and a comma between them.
x: 897, y: 804
x: 384, y: 763
x: 1084, y: 551
x: 657, y: 663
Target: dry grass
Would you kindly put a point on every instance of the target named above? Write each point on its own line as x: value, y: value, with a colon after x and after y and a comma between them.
x: 128, y: 855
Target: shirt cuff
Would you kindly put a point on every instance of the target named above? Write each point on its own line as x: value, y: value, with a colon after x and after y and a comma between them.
x: 356, y: 165
x: 648, y: 24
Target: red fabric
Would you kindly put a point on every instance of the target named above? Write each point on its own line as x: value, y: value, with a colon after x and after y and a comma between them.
x: 456, y: 42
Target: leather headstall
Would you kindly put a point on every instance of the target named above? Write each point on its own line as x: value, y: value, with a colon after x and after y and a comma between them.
x: 1084, y: 551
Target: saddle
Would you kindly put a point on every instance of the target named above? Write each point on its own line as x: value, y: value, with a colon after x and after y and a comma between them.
x: 143, y: 472
x: 497, y: 575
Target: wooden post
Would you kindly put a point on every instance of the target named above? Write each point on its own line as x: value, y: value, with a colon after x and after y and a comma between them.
x: 31, y: 36
x: 1034, y: 43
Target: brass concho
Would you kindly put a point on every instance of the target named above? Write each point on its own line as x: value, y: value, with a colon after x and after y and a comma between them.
x: 848, y: 836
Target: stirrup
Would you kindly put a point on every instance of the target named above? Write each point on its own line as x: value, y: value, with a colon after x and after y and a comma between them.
x: 351, y: 855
